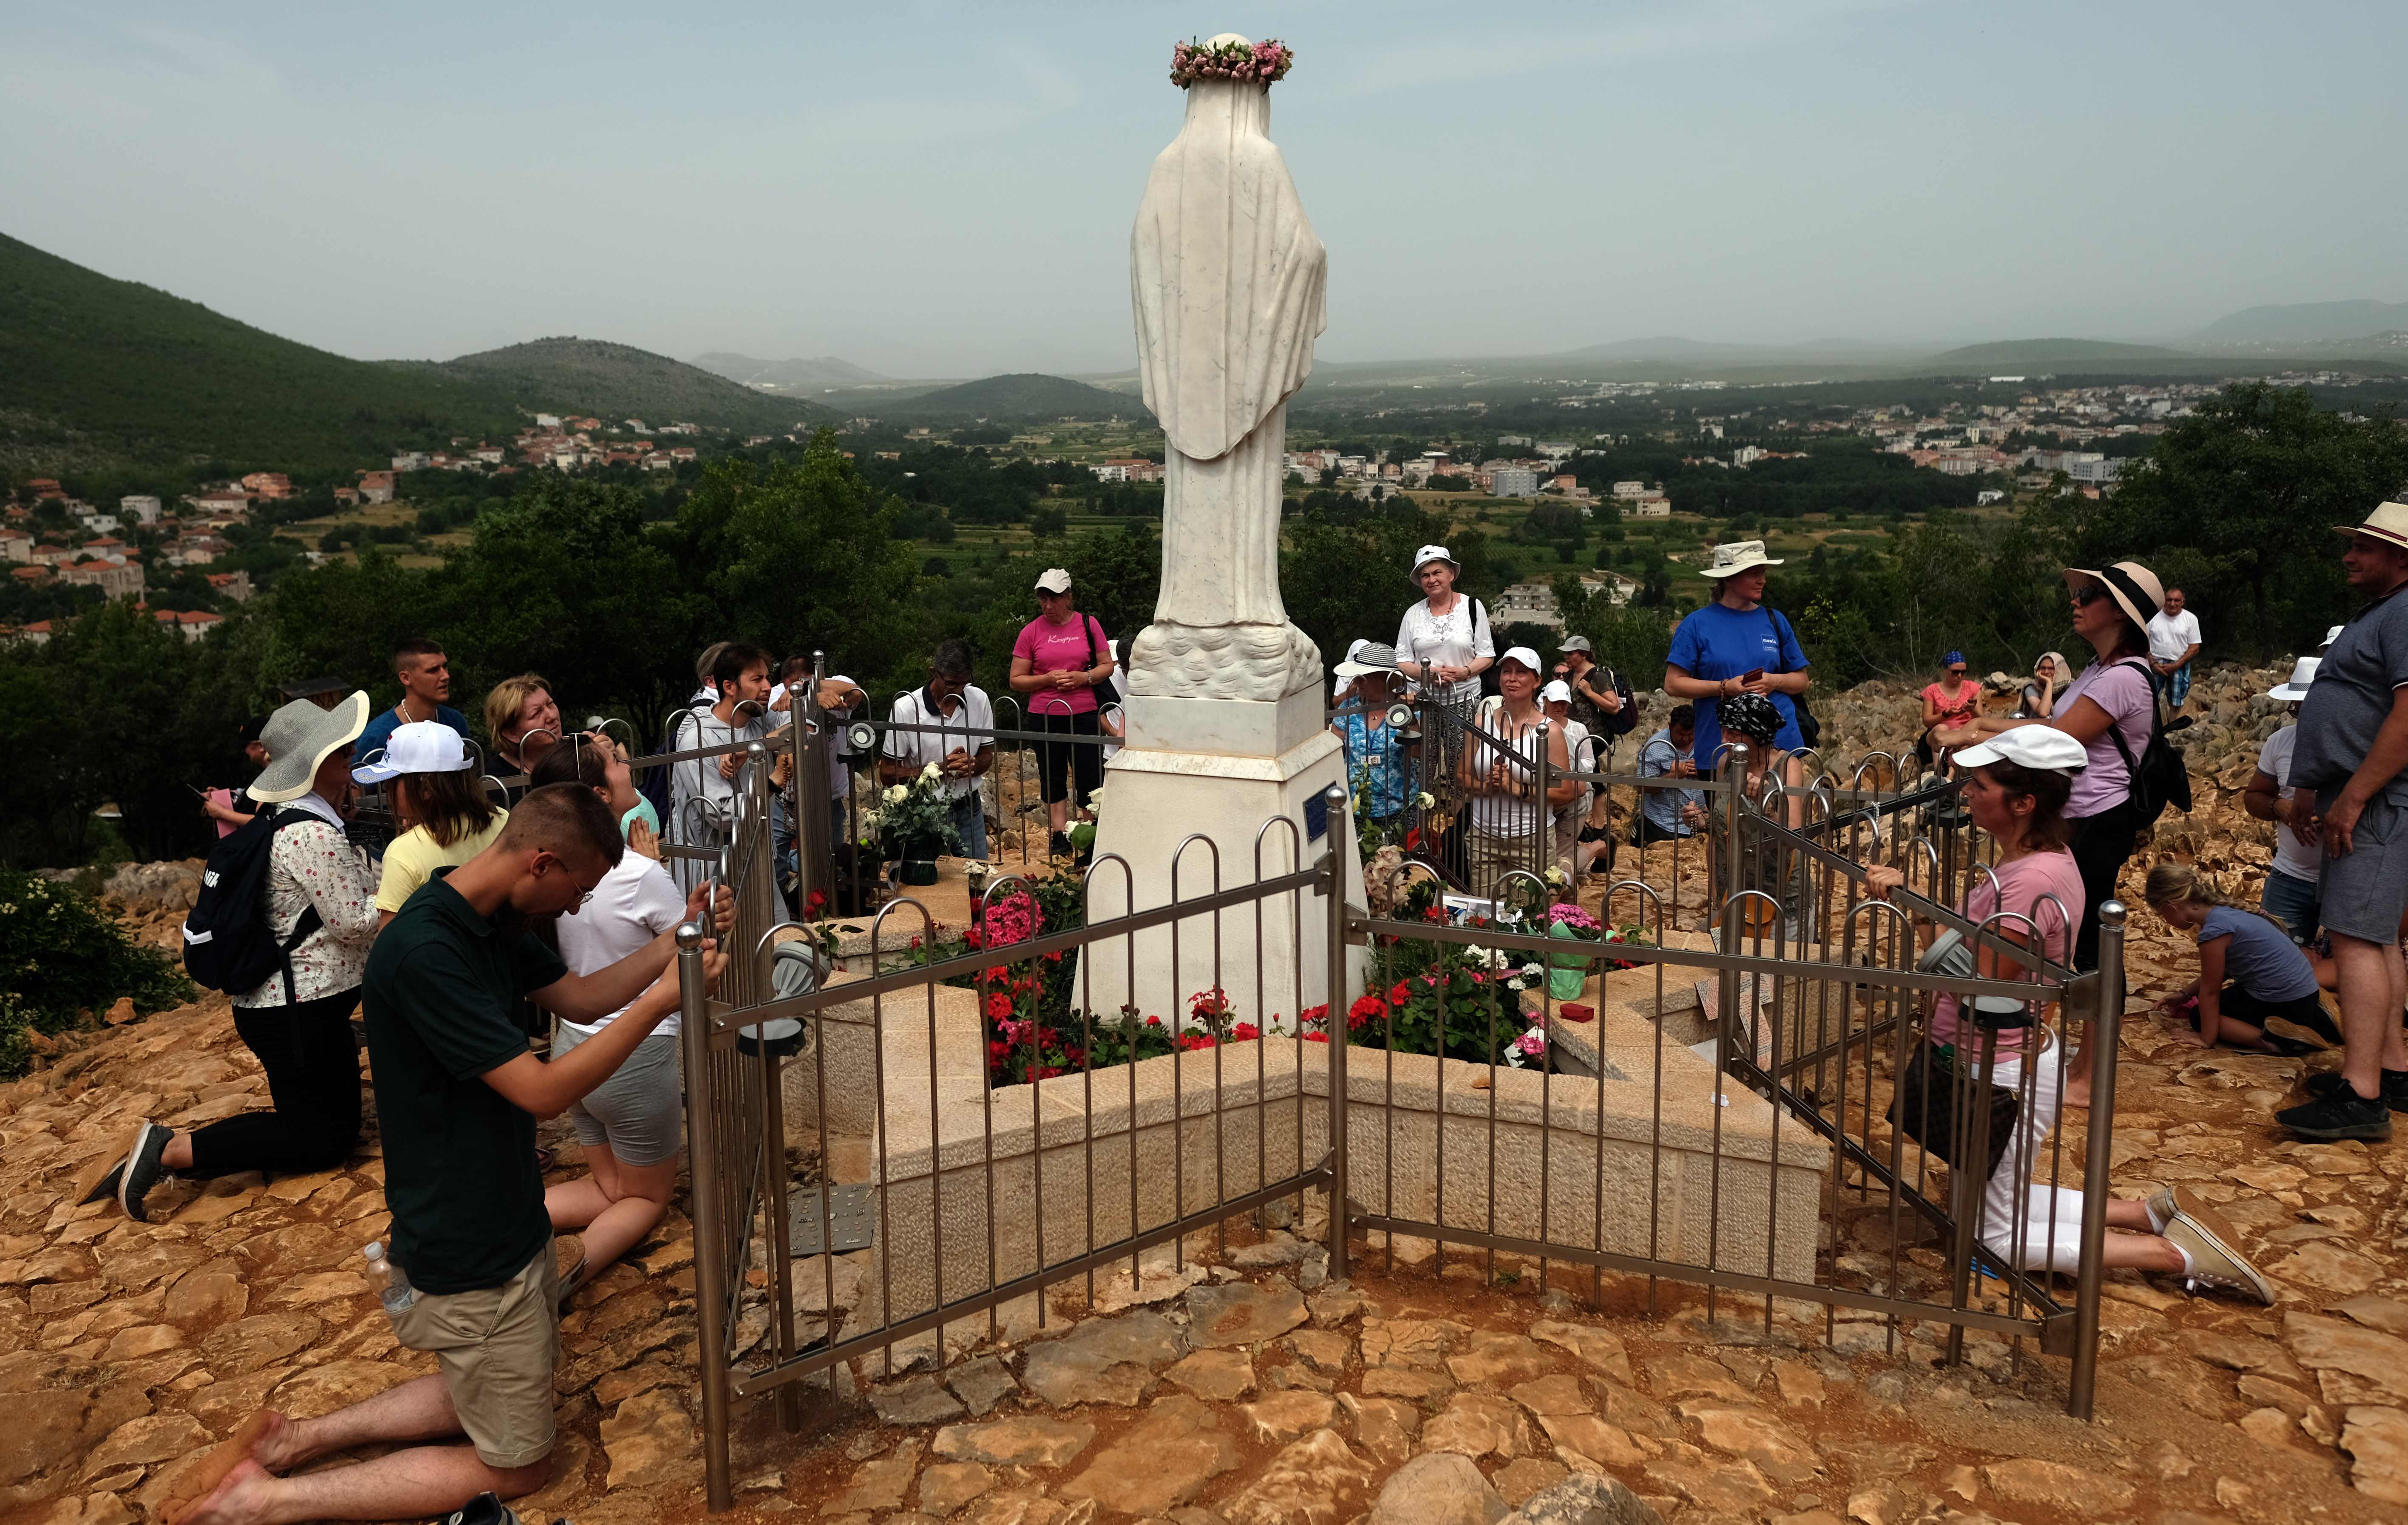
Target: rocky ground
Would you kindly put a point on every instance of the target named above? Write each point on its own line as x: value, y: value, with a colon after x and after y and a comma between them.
x: 1245, y: 1391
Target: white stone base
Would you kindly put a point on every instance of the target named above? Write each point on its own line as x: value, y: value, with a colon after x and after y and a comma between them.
x: 1155, y: 801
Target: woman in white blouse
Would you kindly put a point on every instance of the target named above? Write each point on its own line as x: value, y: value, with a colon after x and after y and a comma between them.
x: 298, y: 1021
x: 1444, y: 642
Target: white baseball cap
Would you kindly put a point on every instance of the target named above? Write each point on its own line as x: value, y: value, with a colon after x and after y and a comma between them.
x: 1523, y: 655
x: 423, y: 746
x: 1054, y: 579
x: 1557, y: 692
x: 2028, y: 746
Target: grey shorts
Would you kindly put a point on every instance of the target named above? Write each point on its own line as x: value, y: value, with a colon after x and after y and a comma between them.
x: 2365, y: 892
x: 640, y: 1112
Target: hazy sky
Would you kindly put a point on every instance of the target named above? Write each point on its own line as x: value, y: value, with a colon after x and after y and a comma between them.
x: 947, y: 189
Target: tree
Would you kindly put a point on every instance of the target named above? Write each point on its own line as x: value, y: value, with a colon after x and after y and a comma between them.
x: 2252, y: 483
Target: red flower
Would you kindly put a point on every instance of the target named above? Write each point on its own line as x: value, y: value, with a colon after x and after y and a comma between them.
x: 1193, y: 1040
x: 1154, y: 1021
x: 998, y: 1007
x: 1244, y: 1032
x: 1433, y: 913
x: 1316, y: 1037
x: 1365, y: 1010
x: 813, y: 901
x: 1054, y: 957
x: 1401, y: 993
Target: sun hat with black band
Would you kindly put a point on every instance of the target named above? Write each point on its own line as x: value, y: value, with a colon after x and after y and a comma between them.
x: 423, y: 746
x: 299, y: 738
x: 2135, y: 588
x: 2388, y: 521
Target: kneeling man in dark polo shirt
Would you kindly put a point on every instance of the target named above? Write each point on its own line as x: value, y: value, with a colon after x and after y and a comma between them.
x: 458, y: 1094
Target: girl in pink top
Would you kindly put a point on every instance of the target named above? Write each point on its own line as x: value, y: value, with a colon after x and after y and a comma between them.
x: 2016, y: 789
x: 1949, y: 708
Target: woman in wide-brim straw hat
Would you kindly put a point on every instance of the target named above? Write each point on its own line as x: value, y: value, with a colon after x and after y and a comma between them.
x: 2110, y: 611
x: 298, y: 1021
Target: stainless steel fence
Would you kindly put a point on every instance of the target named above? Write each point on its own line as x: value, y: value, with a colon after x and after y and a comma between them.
x: 1757, y: 1101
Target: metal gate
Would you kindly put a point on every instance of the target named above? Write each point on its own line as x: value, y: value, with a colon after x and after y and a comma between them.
x: 1003, y: 1137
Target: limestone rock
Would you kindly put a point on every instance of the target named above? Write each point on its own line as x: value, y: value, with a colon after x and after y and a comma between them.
x: 249, y: 1343
x: 2329, y: 1346
x: 1317, y: 1480
x: 1497, y: 1360
x: 1777, y: 1451
x: 1285, y: 1417
x: 2056, y: 1485
x: 2377, y: 1439
x: 919, y: 1400
x: 2376, y: 1312
x: 948, y: 1484
x: 1216, y: 1375
x: 652, y: 1437
x: 1102, y: 1360
x: 1476, y: 1425
x: 879, y: 1483
x: 1033, y: 1441
x: 1522, y: 1480
x: 156, y: 1437
x: 1437, y: 1488
x: 1601, y: 1348
x: 1411, y: 1342
x: 207, y: 1298
x: 1383, y: 1426
x: 1240, y: 1313
x: 1586, y: 1501
x: 1324, y: 1350
x: 982, y: 1384
x: 1559, y: 1393
x: 1162, y: 1461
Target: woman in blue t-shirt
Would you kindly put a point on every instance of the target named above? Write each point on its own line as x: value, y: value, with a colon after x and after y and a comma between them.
x: 1734, y: 646
x: 2249, y: 968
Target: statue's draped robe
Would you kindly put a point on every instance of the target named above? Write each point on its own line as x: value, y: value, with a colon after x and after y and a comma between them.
x: 1228, y: 280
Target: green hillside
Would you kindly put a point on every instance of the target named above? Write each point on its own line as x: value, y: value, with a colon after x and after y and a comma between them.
x: 615, y: 381
x: 1028, y: 396
x: 2051, y: 355
x: 95, y: 369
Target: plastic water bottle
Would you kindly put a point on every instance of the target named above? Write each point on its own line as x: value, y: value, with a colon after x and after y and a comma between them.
x: 391, y: 1282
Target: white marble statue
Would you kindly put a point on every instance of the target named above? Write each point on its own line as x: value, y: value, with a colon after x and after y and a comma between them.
x: 1228, y: 278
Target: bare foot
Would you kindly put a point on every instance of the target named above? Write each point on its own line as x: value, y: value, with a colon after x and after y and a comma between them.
x: 240, y: 1497
x: 2076, y: 1094
x: 266, y: 1437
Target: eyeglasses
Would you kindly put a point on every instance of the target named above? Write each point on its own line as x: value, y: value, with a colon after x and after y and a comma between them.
x: 2085, y: 598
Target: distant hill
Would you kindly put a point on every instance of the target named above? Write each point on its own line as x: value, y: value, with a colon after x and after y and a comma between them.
x: 95, y: 369
x: 1028, y: 396
x: 790, y: 376
x: 1663, y: 347
x: 616, y: 382
x: 2302, y: 323
x: 2023, y: 354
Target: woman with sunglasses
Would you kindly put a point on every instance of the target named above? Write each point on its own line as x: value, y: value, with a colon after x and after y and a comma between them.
x: 1950, y: 709
x: 2111, y: 698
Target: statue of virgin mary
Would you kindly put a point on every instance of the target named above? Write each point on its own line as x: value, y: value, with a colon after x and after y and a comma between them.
x: 1227, y: 278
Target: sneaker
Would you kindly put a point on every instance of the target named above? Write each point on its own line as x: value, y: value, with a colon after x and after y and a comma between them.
x: 1059, y: 846
x: 568, y: 1261
x: 2345, y: 1114
x: 141, y: 1171
x: 2332, y: 1082
x: 2161, y: 1207
x: 485, y: 1509
x: 2215, y: 1258
x: 99, y: 1179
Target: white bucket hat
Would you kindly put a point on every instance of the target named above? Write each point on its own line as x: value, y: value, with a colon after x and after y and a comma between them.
x: 2304, y: 673
x: 1428, y: 554
x: 1738, y: 556
x: 2028, y: 746
x: 1367, y: 657
x: 300, y: 736
x: 423, y: 746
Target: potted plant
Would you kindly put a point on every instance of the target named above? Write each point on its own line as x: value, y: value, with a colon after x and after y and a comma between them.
x: 915, y: 824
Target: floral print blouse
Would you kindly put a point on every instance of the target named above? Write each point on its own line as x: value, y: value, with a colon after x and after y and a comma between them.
x: 312, y: 864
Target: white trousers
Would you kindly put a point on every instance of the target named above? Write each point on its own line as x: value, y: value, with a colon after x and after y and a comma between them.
x: 2031, y: 1225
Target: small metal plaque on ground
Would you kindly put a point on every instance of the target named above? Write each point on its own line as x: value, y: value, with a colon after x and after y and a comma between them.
x: 852, y: 1219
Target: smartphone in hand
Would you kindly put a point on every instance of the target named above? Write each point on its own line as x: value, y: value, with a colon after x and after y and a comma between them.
x: 1751, y: 675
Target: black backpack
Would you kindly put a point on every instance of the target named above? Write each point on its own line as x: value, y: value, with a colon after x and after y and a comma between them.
x: 2159, y: 778
x: 227, y: 944
x: 1624, y: 720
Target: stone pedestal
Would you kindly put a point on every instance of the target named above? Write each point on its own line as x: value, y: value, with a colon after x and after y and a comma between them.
x: 1220, y: 770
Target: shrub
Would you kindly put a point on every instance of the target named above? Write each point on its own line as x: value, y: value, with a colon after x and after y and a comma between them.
x: 62, y: 957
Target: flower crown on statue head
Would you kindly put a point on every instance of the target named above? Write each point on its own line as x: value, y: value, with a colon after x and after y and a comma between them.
x: 1256, y: 63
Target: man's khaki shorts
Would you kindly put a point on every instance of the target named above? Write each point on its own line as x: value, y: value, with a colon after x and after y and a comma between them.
x: 499, y: 1346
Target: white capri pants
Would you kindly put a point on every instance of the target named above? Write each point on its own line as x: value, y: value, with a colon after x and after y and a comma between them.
x: 2031, y: 1225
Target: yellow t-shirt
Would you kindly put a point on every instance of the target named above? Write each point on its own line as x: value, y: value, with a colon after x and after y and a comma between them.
x: 415, y: 855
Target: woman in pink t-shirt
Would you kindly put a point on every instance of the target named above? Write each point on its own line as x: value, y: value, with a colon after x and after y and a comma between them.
x: 1949, y: 708
x: 2016, y: 789
x: 1060, y: 657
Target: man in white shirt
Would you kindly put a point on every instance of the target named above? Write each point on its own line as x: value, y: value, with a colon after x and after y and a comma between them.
x: 2173, y: 642
x: 2292, y: 894
x: 961, y: 745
